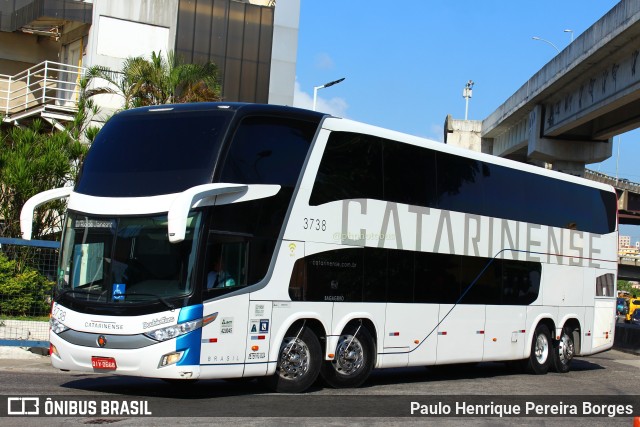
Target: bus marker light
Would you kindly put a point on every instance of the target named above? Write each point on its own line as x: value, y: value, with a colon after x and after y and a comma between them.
x: 213, y: 339
x: 588, y: 334
x: 495, y: 339
x: 480, y: 332
x: 394, y: 334
x: 210, y: 318
x: 255, y: 348
x: 331, y: 355
x: 416, y: 341
x: 442, y: 333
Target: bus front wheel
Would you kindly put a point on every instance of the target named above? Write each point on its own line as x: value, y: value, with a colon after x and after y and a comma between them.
x: 564, y: 350
x: 299, y: 361
x: 541, y: 351
x: 353, y: 361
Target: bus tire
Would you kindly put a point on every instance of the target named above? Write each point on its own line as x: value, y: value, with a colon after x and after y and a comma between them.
x: 563, y: 352
x: 299, y: 362
x: 354, y: 359
x: 541, y: 351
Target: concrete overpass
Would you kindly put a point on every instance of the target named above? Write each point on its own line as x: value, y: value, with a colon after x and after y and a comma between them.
x: 567, y: 113
x: 628, y: 196
x: 629, y: 268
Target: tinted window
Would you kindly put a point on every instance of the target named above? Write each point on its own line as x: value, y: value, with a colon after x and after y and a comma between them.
x: 389, y: 275
x: 400, y: 276
x: 375, y: 275
x: 481, y: 279
x: 361, y: 166
x: 151, y: 153
x: 268, y: 150
x: 335, y: 276
x: 520, y: 282
x: 351, y: 168
x: 409, y: 174
x: 459, y: 182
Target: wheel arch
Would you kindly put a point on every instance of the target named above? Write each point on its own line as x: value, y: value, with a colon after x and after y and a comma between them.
x: 310, y: 320
x: 573, y: 324
x: 542, y: 320
x: 353, y: 319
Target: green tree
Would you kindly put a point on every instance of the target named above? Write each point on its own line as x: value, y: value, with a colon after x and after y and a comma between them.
x: 624, y: 285
x: 156, y: 81
x: 34, y: 159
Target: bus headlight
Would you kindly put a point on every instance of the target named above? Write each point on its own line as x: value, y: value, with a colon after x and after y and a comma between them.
x: 170, y: 332
x: 57, y: 327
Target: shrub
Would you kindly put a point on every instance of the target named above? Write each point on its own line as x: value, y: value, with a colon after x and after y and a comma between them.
x: 23, y: 293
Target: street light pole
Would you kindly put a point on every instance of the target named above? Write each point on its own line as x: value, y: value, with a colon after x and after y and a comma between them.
x: 467, y: 92
x: 546, y: 41
x: 316, y: 88
x: 570, y: 31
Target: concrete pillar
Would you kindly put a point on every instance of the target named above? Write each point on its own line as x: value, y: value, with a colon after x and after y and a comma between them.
x: 465, y: 134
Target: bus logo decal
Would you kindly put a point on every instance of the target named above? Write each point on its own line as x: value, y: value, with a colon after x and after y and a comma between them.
x: 102, y: 341
x: 226, y: 325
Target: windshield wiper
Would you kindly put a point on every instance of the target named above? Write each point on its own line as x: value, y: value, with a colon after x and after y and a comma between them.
x: 77, y: 291
x: 161, y: 299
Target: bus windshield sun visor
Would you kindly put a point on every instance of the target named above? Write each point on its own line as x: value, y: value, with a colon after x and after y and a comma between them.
x: 26, y: 215
x: 209, y: 195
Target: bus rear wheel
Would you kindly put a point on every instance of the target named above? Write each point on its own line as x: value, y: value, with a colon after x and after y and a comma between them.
x: 541, y: 351
x: 564, y: 350
x: 353, y: 361
x: 299, y: 362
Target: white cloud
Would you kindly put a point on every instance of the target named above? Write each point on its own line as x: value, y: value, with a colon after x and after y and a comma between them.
x: 335, y: 106
x: 323, y: 61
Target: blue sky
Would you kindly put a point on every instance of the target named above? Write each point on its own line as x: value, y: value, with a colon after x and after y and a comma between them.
x: 406, y: 62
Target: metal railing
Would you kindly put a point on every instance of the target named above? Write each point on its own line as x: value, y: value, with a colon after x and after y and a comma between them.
x: 48, y: 84
x: 622, y: 184
x: 21, y: 309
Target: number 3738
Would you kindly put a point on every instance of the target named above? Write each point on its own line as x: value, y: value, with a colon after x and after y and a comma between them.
x: 315, y: 224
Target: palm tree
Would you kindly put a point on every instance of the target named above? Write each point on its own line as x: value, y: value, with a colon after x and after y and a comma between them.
x: 158, y: 80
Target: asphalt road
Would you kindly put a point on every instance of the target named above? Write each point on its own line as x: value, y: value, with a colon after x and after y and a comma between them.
x: 611, y: 374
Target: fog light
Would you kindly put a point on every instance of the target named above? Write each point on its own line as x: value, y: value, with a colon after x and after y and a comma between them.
x: 170, y: 358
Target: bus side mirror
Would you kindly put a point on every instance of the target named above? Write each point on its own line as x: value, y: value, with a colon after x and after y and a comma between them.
x: 26, y: 214
x: 210, y: 195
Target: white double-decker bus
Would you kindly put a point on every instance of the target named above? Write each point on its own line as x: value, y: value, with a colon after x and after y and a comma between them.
x: 235, y: 240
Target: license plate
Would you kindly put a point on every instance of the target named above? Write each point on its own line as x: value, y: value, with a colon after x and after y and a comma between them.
x: 105, y: 363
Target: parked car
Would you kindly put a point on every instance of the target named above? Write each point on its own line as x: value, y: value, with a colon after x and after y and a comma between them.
x: 635, y: 318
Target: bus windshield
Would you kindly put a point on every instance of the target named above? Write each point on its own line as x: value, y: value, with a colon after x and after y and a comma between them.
x: 126, y: 260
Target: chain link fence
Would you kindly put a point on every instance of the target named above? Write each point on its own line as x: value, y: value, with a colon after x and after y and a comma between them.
x: 27, y: 273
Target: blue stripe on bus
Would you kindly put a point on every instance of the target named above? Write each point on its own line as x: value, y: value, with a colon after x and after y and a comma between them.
x: 190, y: 343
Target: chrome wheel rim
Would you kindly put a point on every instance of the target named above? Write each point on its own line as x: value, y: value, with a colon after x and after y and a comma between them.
x: 294, y: 359
x: 542, y: 349
x: 565, y: 349
x: 349, y: 356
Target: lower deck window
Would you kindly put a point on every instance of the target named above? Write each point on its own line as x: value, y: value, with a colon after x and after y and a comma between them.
x: 383, y: 275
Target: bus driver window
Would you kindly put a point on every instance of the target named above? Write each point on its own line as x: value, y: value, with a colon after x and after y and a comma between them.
x: 218, y: 277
